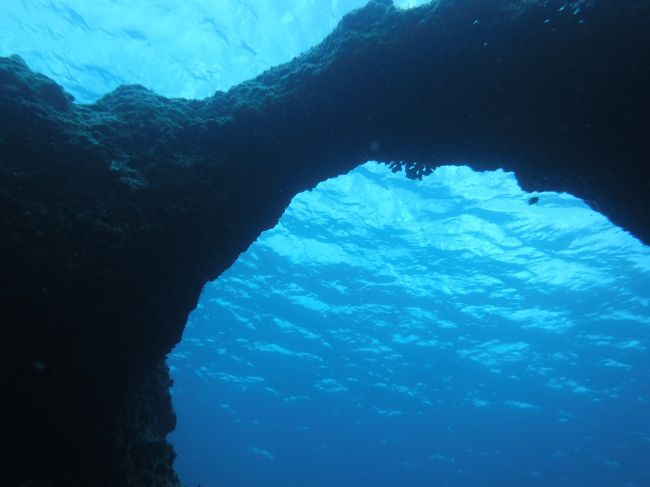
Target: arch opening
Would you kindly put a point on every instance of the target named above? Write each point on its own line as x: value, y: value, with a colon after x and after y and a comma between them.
x: 454, y: 328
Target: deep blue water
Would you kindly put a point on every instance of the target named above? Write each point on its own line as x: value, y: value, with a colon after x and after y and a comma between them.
x: 443, y: 332
x: 387, y: 332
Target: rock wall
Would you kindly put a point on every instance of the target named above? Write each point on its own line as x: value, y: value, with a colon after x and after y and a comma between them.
x: 115, y: 214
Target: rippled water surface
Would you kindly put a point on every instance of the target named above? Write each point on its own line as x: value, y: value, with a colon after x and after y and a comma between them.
x: 435, y: 332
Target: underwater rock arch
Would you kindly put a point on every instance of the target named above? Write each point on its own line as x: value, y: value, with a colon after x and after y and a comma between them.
x: 115, y: 214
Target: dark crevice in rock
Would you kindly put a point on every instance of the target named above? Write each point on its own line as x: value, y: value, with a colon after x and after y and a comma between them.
x: 115, y: 214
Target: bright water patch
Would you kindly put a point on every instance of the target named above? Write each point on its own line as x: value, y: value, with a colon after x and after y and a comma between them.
x: 187, y: 48
x: 438, y: 332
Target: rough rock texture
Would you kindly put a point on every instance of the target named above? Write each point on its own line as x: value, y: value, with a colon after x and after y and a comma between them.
x: 114, y: 215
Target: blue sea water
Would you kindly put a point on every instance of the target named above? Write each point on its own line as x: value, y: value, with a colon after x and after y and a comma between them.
x: 387, y: 331
x: 438, y: 332
x: 178, y: 48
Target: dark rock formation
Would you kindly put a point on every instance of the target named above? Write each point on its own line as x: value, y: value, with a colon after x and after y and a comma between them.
x: 114, y: 215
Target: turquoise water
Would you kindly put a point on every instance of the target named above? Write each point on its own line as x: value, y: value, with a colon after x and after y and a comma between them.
x: 188, y: 48
x: 386, y: 332
x: 434, y: 332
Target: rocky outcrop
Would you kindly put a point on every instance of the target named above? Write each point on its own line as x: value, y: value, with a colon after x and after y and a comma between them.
x: 115, y: 214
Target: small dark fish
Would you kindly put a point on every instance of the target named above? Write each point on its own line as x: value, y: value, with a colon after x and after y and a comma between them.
x: 533, y: 200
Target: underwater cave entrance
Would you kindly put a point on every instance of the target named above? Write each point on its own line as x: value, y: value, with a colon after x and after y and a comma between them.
x: 390, y: 331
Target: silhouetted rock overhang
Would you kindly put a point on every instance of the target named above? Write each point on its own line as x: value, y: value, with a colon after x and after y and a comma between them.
x: 115, y: 214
